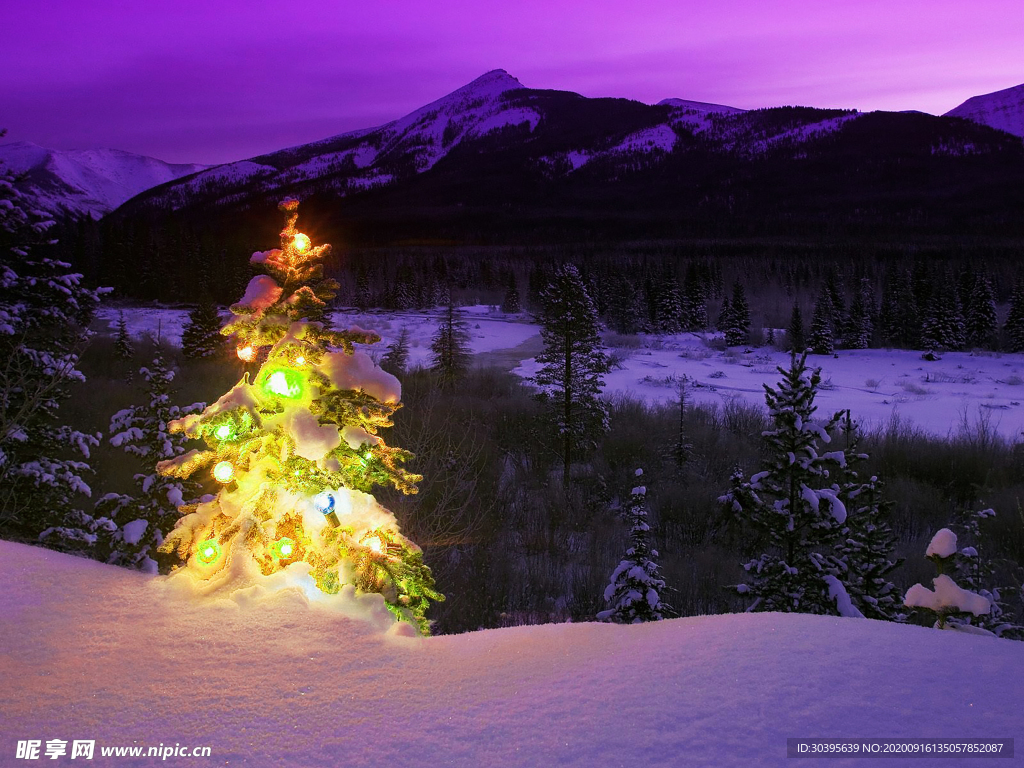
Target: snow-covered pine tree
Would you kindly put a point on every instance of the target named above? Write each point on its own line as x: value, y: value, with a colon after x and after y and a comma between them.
x: 951, y: 605
x: 44, y: 315
x: 821, y: 341
x: 795, y: 332
x: 859, y: 326
x: 866, y: 545
x: 943, y: 324
x: 695, y: 302
x: 977, y: 573
x: 130, y: 528
x: 572, y: 365
x: 123, y: 349
x: 449, y: 350
x: 297, y: 453
x: 511, y: 304
x: 396, y: 359
x: 739, y: 316
x: 899, y: 322
x: 834, y: 286
x: 981, y: 314
x: 668, y: 317
x: 793, y: 505
x: 634, y: 593
x: 201, y: 335
x: 1014, y: 327
x: 725, y: 320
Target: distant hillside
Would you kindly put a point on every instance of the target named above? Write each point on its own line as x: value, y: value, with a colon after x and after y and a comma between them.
x: 1003, y: 110
x: 89, y: 182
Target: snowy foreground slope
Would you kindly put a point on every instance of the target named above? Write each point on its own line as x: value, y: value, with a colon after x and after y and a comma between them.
x: 88, y: 651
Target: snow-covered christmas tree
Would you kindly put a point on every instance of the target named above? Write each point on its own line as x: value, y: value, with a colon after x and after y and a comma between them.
x: 951, y: 605
x: 295, y: 446
x: 634, y: 592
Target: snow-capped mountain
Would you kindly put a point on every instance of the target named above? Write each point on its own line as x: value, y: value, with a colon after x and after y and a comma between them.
x: 498, y: 160
x: 87, y: 181
x: 1003, y: 110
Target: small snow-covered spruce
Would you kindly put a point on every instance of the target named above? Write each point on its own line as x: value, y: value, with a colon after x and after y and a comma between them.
x: 201, y: 335
x: 981, y: 314
x: 572, y: 365
x: 859, y: 326
x: 821, y: 341
x: 1014, y: 327
x: 396, y: 359
x: 978, y: 573
x: 668, y: 308
x: 795, y: 339
x: 510, y: 304
x: 449, y: 350
x: 44, y: 315
x: 130, y: 528
x: 725, y: 318
x: 943, y: 323
x: 738, y: 327
x: 951, y: 605
x: 793, y: 506
x: 867, y: 543
x: 634, y: 593
x: 297, y: 451
x: 123, y: 349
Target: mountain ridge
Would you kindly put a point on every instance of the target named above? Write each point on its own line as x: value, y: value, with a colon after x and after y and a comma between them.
x: 1002, y: 110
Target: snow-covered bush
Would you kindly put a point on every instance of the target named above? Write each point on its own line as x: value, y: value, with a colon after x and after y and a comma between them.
x: 131, y: 527
x: 634, y: 594
x: 951, y: 605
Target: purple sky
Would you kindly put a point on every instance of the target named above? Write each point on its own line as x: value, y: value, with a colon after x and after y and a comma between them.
x: 221, y: 80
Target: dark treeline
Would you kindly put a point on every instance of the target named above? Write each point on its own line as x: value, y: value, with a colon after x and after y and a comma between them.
x: 944, y: 295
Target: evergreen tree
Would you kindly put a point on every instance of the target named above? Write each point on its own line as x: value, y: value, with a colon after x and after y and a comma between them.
x: 511, y: 305
x: 695, y: 302
x: 449, y: 349
x: 943, y: 325
x: 738, y: 329
x: 669, y: 307
x: 396, y: 359
x: 1014, y: 327
x: 795, y: 333
x: 981, y: 314
x: 634, y: 593
x: 821, y: 341
x: 297, y: 451
x: 900, y: 323
x: 793, y: 505
x: 130, y: 528
x: 44, y: 314
x: 977, y: 573
x: 859, y: 325
x: 123, y: 344
x: 867, y: 543
x: 682, y: 449
x: 572, y: 365
x: 834, y: 286
x: 625, y: 310
x: 724, y: 316
x: 201, y: 335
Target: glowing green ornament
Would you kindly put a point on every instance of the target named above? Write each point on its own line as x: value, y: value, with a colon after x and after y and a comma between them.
x: 282, y: 549
x: 284, y: 383
x: 223, y: 432
x: 208, y: 551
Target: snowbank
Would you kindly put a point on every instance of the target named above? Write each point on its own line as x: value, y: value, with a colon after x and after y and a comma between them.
x: 91, y: 651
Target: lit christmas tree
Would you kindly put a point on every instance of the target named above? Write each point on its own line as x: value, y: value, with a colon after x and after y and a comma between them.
x: 296, y: 450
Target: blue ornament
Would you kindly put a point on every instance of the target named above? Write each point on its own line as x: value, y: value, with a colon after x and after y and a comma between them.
x: 324, y: 502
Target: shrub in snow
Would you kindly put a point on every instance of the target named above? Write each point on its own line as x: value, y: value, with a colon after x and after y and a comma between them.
x: 794, y: 505
x: 44, y: 313
x: 130, y: 528
x: 951, y: 605
x: 572, y: 365
x: 201, y: 335
x: 634, y: 594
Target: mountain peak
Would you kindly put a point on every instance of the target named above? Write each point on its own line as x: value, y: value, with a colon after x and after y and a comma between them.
x: 701, y: 107
x: 1003, y: 110
x: 493, y: 82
